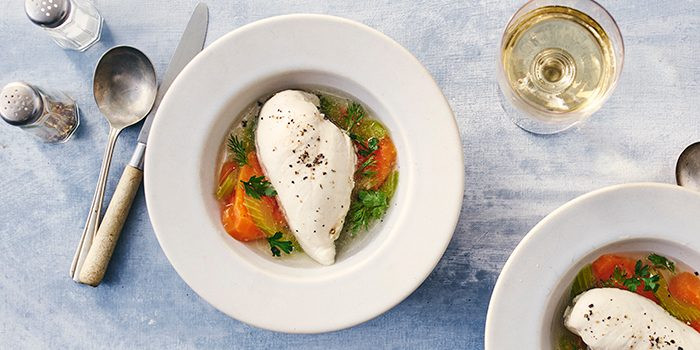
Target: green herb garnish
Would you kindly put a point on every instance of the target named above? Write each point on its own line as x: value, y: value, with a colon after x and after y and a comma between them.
x: 632, y: 284
x: 661, y: 262
x: 277, y: 245
x: 355, y: 115
x: 640, y: 269
x: 651, y: 283
x: 367, y: 163
x: 619, y: 275
x: 373, y: 143
x: 369, y: 206
x: 238, y: 149
x: 371, y: 146
x: 642, y: 274
x: 257, y: 187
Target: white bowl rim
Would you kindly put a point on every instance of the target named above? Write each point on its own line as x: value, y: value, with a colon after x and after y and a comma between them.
x: 317, y: 320
x: 529, y: 335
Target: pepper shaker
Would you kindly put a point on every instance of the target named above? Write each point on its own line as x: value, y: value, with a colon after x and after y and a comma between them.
x: 72, y: 24
x: 50, y: 115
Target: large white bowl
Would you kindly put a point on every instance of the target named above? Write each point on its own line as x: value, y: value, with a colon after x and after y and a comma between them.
x: 529, y: 294
x: 373, y: 273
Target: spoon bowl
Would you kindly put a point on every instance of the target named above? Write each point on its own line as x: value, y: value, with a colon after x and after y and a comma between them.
x: 688, y: 167
x: 124, y: 85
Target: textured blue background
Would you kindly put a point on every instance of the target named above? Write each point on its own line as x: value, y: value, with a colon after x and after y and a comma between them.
x: 513, y: 178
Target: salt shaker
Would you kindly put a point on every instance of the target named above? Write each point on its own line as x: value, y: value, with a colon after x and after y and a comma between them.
x: 72, y: 24
x: 50, y: 115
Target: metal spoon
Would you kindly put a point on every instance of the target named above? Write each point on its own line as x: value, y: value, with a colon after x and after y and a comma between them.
x: 124, y: 85
x: 688, y: 167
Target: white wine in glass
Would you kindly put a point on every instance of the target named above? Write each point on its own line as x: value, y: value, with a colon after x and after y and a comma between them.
x: 560, y: 60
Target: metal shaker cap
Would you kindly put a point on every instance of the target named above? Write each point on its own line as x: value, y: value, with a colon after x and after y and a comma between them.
x: 20, y: 104
x: 47, y: 13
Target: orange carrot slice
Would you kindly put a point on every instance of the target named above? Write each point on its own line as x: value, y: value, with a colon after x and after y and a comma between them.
x: 686, y: 288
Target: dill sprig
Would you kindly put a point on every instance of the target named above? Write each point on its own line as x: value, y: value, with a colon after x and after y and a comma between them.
x: 355, y: 114
x: 238, y: 149
x: 369, y: 162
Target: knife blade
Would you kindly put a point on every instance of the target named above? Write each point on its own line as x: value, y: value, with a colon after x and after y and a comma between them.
x: 89, y: 267
x: 191, y: 43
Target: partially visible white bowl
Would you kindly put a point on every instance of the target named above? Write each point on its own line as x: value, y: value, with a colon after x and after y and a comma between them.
x: 372, y: 274
x: 529, y: 295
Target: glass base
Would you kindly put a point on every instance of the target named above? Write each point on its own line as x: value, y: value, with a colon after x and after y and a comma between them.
x: 94, y: 41
x: 536, y: 124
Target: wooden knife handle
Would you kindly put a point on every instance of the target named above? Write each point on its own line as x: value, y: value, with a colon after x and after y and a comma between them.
x: 105, y: 240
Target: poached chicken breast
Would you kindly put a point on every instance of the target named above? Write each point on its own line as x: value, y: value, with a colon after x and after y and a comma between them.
x: 311, y: 164
x: 612, y: 319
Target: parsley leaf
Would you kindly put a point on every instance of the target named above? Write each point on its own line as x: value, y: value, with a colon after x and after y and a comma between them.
x: 632, y: 284
x: 277, y: 245
x: 651, y: 283
x: 641, y: 270
x: 238, y: 149
x: 661, y: 262
x: 257, y: 187
x: 369, y: 206
x: 618, y: 274
x: 642, y: 274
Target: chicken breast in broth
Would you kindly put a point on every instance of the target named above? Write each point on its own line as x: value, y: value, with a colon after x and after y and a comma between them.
x: 310, y: 162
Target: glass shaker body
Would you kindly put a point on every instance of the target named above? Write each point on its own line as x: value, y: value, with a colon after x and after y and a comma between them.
x: 72, y: 24
x: 49, y: 115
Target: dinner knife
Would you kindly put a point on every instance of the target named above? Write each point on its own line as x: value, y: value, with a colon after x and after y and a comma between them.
x: 93, y: 268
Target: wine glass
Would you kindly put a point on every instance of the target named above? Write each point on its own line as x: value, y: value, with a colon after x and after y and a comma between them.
x: 560, y: 61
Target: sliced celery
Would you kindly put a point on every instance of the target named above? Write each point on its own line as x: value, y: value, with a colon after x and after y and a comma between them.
x: 226, y: 188
x: 334, y: 108
x: 585, y: 280
x: 390, y: 184
x: 570, y: 341
x: 369, y: 128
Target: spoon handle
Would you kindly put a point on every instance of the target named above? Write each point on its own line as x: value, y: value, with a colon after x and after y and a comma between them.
x: 93, y: 218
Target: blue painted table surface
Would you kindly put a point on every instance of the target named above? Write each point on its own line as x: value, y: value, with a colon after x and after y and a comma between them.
x: 513, y: 178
